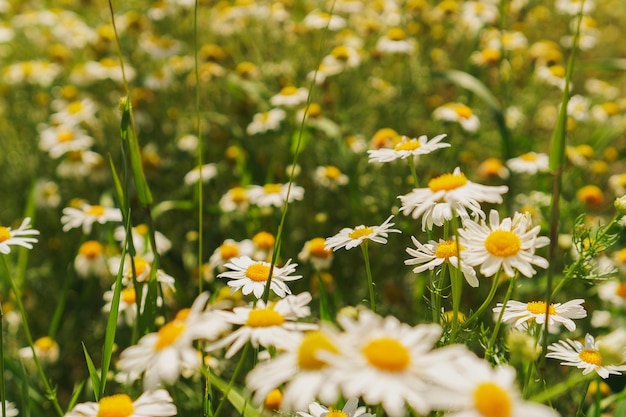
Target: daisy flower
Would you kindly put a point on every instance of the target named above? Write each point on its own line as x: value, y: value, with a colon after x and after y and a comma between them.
x: 139, y: 268
x: 330, y: 176
x: 141, y: 239
x: 407, y: 147
x: 90, y: 260
x: 529, y: 163
x: 269, y: 120
x: 468, y: 386
x: 46, y: 349
x: 59, y: 140
x: 395, y: 42
x: 235, y: 199
x: 613, y: 292
x: 156, y: 403
x: 315, y: 251
x: 11, y: 411
x: 508, y: 244
x: 433, y: 254
x: 204, y: 173
x: 520, y: 313
x: 230, y: 249
x: 447, y: 195
x: 265, y: 325
x: 163, y: 355
x: 384, y: 361
x: 350, y: 409
x: 351, y: 238
x: 22, y: 236
x: 306, y: 375
x: 251, y: 276
x: 586, y: 357
x: 459, y: 113
x: 274, y: 194
x: 87, y: 215
x: 290, y: 96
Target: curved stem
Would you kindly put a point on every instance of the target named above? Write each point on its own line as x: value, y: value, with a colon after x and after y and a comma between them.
x: 488, y: 300
x: 496, y: 330
x: 368, y: 271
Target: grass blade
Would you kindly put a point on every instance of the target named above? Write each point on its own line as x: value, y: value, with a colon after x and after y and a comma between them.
x: 93, y: 374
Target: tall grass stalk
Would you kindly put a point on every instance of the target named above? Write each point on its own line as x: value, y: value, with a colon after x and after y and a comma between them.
x: 557, y: 163
x: 3, y: 396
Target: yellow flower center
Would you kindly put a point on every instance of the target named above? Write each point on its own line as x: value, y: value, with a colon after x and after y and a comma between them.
x: 118, y: 405
x: 128, y: 295
x: 274, y: 399
x: 264, y: 240
x: 238, y: 194
x: 341, y: 53
x: 591, y: 356
x: 265, y: 317
x: 91, y: 249
x: 140, y: 265
x: 360, y: 231
x: 491, y: 55
x: 557, y: 71
x: 463, y: 111
x: 272, y: 188
x: 447, y: 182
x: 183, y: 314
x: 169, y: 333
x: 621, y: 290
x: 228, y: 250
x: 503, y: 243
x: 108, y: 63
x: 317, y: 248
x: 95, y: 211
x: 409, y: 145
x: 45, y: 343
x: 336, y: 413
x: 610, y: 108
x: 332, y: 172
x: 5, y: 233
x: 387, y: 354
x: 312, y: 343
x: 396, y: 34
x: 142, y: 229
x: 492, y: 401
x: 290, y: 90
x: 75, y: 107
x: 539, y: 307
x: 447, y: 249
x: 530, y: 157
x: 65, y: 136
x: 258, y: 272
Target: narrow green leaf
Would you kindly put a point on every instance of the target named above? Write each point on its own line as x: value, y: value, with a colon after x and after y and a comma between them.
x: 143, y: 191
x: 93, y: 374
x: 235, y: 396
x: 109, y: 336
x: 76, y: 394
x: 119, y: 190
x: 473, y: 84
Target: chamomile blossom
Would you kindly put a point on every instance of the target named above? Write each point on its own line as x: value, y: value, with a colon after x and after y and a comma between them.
x: 529, y: 163
x: 302, y: 368
x: 87, y: 215
x: 139, y: 268
x: 351, y: 238
x: 459, y: 113
x: 433, y: 254
x: 274, y: 194
x: 447, y: 195
x: 251, y: 276
x: 407, y: 147
x: 350, y: 409
x: 46, y: 348
x: 157, y: 403
x: 586, y: 357
x: 395, y: 42
x: 468, y: 386
x: 264, y: 325
x: 235, y: 199
x: 163, y: 355
x: 61, y: 139
x: 522, y: 314
x: 290, y: 96
x: 91, y: 261
x: 127, y: 308
x: 384, y: 361
x: 11, y: 411
x: 315, y: 251
x: 230, y: 249
x: 142, y: 239
x: 508, y: 244
x: 269, y: 120
x: 22, y: 236
x: 202, y: 173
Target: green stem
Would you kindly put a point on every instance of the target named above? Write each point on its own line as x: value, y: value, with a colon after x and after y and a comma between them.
x: 325, y: 314
x: 231, y: 383
x: 488, y: 300
x: 496, y: 330
x: 368, y: 271
x: 413, y: 172
x: 200, y: 147
x: 3, y: 397
x: 456, y: 281
x: 18, y: 301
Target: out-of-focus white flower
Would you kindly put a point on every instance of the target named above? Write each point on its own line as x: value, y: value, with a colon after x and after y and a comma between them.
x: 157, y: 403
x: 87, y: 215
x: 290, y: 96
x: 269, y: 120
x: 459, y: 113
x: 22, y: 236
x: 395, y: 42
x: 46, y: 349
x: 274, y: 194
x: 205, y: 173
x: 529, y: 163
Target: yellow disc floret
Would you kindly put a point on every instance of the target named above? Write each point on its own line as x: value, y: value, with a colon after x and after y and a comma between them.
x: 591, y: 356
x: 169, y: 333
x: 447, y: 182
x: 503, y: 243
x: 360, y: 231
x: 492, y: 401
x: 264, y: 317
x: 539, y: 307
x: 258, y: 272
x: 5, y: 233
x: 118, y: 405
x: 312, y: 343
x: 387, y: 354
